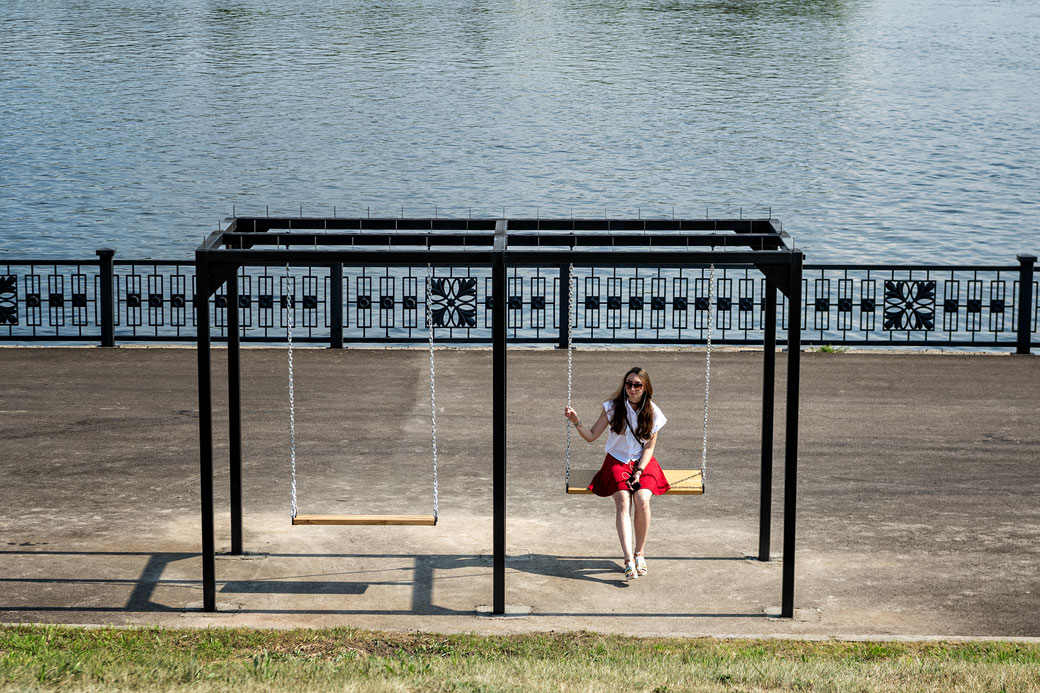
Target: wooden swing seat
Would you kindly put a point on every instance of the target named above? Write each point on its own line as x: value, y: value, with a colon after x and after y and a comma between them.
x: 690, y: 481
x: 418, y: 520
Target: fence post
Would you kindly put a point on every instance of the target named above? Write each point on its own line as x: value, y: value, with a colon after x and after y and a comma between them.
x: 336, y: 309
x: 108, y: 313
x: 1025, y: 302
x: 500, y: 335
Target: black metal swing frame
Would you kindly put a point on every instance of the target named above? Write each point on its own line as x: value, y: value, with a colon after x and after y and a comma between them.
x: 501, y: 244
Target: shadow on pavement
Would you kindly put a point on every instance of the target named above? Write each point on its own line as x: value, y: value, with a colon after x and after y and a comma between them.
x: 141, y: 599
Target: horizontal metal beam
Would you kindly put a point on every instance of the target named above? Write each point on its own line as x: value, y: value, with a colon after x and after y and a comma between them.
x: 352, y: 257
x: 383, y: 241
x: 267, y: 224
x: 664, y: 257
x: 211, y: 241
x: 677, y: 257
x: 702, y: 225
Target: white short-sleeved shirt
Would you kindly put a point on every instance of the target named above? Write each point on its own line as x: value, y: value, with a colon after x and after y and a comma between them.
x: 626, y: 447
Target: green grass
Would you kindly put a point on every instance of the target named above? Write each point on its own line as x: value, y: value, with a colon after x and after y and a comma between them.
x: 830, y: 349
x: 67, y: 658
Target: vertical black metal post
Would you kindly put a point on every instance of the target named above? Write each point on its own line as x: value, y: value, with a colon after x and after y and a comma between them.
x: 107, y: 298
x: 336, y: 309
x: 209, y: 560
x: 234, y: 411
x: 565, y: 304
x: 765, y: 502
x: 794, y: 352
x: 1025, y: 303
x: 499, y: 333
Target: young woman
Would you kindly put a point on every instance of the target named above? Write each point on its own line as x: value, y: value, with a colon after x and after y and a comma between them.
x: 629, y: 467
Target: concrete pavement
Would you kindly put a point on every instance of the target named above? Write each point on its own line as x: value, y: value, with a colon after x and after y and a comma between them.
x: 918, y: 505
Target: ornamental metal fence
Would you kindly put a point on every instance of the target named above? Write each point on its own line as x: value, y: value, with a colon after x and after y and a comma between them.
x: 107, y: 301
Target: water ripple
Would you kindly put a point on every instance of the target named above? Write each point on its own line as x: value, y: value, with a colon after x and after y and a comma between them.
x: 877, y: 130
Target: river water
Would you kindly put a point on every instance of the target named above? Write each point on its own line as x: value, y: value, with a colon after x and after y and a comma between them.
x: 876, y: 130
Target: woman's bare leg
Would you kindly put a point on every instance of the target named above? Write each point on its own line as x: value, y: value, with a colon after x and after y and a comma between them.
x: 642, y: 520
x: 624, y: 526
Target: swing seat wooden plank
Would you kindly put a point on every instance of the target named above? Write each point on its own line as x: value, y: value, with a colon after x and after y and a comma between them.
x: 687, y: 482
x: 417, y: 520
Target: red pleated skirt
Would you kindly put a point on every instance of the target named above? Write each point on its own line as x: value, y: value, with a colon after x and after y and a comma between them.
x: 613, y: 477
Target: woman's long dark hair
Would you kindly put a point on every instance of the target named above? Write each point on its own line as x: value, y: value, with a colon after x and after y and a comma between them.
x: 645, y: 418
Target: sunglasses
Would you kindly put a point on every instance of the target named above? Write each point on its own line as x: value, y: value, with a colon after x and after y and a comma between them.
x: 634, y: 386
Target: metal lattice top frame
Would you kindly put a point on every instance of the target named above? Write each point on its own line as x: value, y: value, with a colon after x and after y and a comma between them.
x: 519, y: 242
x: 526, y: 242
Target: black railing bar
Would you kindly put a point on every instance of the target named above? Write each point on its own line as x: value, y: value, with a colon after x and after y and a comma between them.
x: 89, y: 337
x: 130, y: 338
x: 522, y: 339
x: 18, y: 262
x: 911, y: 267
x: 887, y: 343
x: 678, y: 341
x: 485, y: 342
x: 190, y: 263
x: 158, y: 263
x: 757, y: 342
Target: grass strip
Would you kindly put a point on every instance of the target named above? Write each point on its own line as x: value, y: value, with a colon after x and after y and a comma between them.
x: 342, y: 659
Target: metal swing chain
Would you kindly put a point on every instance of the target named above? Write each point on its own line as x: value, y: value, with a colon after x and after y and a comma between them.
x: 707, y: 383
x: 570, y: 366
x: 292, y: 401
x: 707, y: 373
x: 433, y: 389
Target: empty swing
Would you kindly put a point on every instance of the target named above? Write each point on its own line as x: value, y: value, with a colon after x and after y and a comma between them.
x: 422, y: 520
x: 683, y: 482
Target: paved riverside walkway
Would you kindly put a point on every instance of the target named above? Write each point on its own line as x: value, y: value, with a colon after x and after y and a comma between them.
x: 919, y: 505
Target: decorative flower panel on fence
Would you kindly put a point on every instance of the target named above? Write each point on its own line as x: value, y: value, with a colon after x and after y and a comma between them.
x: 855, y: 305
x: 956, y: 306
